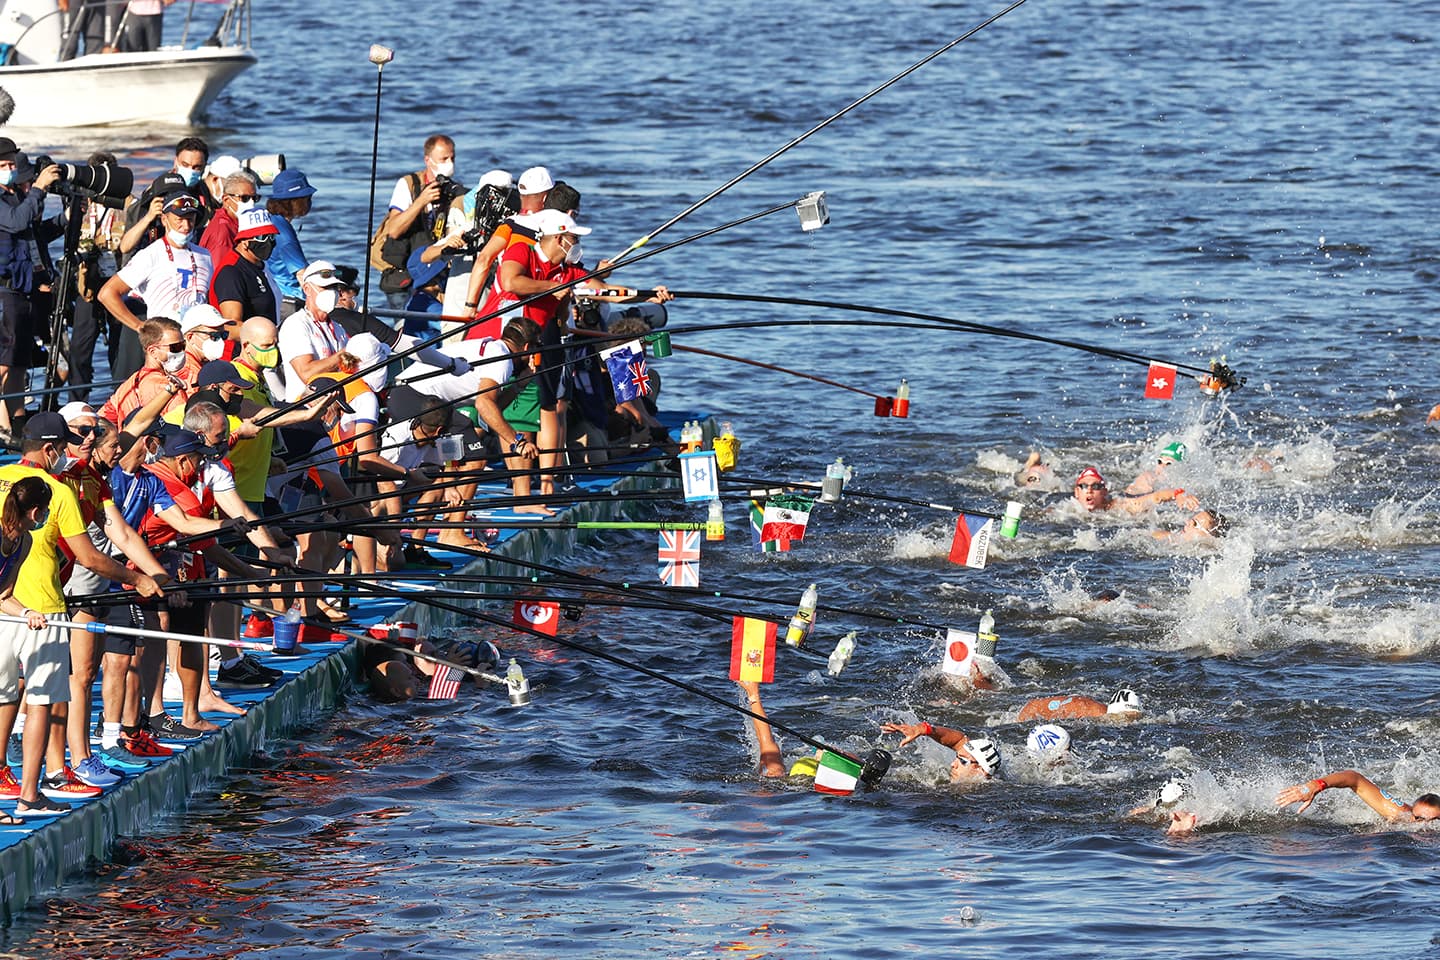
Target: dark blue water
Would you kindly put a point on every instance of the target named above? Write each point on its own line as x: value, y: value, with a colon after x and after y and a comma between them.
x: 1179, y: 180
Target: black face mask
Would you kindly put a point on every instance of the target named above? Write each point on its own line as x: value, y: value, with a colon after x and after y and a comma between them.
x: 263, y: 248
x: 210, y: 395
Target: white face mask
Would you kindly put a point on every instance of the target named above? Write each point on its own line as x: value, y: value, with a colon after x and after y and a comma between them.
x: 446, y: 169
x: 174, y: 361
x: 191, y: 175
x: 178, y: 238
x: 64, y: 463
x: 242, y: 206
x: 7, y: 177
x: 212, y: 349
x: 326, y: 299
x: 574, y: 254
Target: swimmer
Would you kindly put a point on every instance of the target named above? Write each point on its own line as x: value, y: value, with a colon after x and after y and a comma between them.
x: 1125, y: 705
x: 1034, y: 472
x: 770, y: 764
x: 976, y: 759
x: 1169, y: 455
x: 1202, y: 525
x: 1164, y: 809
x: 1425, y: 808
x: 1092, y: 493
x: 1049, y: 743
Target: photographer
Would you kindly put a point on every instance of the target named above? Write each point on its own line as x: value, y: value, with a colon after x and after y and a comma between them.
x: 419, y: 210
x: 100, y: 231
x: 20, y: 209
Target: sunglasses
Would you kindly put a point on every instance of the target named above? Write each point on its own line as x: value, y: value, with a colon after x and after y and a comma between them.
x: 244, y: 196
x: 212, y: 334
x: 1089, y: 486
x: 176, y: 347
x: 82, y: 431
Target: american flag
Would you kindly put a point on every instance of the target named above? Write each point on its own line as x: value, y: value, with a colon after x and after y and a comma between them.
x: 680, y: 558
x: 444, y: 683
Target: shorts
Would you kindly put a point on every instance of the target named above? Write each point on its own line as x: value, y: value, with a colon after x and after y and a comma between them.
x: 85, y: 582
x: 131, y: 616
x: 44, y: 655
x: 14, y: 323
x: 523, y: 413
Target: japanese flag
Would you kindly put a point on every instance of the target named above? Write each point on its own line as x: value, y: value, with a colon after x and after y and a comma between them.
x: 959, y: 653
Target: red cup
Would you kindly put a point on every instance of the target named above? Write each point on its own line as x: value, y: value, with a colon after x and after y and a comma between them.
x: 883, y: 406
x: 902, y: 408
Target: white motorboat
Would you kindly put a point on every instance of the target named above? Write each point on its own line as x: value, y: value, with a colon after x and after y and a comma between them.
x: 171, y: 85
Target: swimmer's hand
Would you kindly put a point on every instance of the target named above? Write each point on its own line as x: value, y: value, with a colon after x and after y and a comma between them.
x: 1181, y: 823
x: 1302, y: 793
x: 910, y: 731
x: 1434, y: 414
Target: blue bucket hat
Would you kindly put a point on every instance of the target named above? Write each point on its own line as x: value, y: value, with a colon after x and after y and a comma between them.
x: 290, y: 185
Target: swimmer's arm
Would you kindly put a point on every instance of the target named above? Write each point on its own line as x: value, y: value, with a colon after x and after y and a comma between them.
x: 770, y: 763
x: 1365, y: 789
x: 914, y: 731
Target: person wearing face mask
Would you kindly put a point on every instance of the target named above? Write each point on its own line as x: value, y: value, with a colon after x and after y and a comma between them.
x: 164, y: 350
x: 169, y: 275
x: 290, y: 200
x: 533, y: 189
x: 418, y: 214
x: 39, y: 589
x: 205, y: 339
x: 244, y: 287
x: 242, y: 193
x: 143, y: 224
x: 311, y: 342
x: 20, y: 208
x: 112, y: 536
x: 249, y: 446
x: 542, y: 268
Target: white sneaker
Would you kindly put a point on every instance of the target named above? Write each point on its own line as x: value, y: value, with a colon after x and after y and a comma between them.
x: 173, y: 692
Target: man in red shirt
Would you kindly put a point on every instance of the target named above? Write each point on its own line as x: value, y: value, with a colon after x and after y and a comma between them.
x: 242, y: 192
x: 164, y: 349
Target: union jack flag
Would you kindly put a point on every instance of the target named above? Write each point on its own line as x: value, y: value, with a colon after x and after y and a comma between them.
x: 444, y: 683
x: 640, y: 378
x: 680, y: 558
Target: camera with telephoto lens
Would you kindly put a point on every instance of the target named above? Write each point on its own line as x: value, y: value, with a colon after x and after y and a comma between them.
x: 90, y: 179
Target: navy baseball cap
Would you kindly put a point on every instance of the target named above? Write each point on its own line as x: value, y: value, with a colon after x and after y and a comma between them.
x: 182, y: 441
x: 50, y: 426
x: 217, y: 372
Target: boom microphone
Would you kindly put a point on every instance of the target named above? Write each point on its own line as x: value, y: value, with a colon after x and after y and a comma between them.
x: 7, y: 107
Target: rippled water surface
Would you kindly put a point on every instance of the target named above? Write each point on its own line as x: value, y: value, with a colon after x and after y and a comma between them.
x: 1178, y: 180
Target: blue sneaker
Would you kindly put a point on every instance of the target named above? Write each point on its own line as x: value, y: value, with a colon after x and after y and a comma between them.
x: 118, y: 758
x: 14, y: 755
x: 93, y: 772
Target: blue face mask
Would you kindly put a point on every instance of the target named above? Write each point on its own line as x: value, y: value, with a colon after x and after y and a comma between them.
x: 41, y: 520
x: 7, y: 177
x: 191, y: 176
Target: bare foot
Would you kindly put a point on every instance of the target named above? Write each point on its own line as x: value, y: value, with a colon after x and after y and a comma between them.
x: 214, y: 703
x: 457, y: 538
x: 199, y: 723
x: 539, y: 508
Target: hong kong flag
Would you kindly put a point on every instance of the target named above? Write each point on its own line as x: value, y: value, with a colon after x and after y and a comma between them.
x: 1160, y: 382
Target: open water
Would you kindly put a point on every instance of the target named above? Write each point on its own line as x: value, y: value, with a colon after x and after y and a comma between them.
x: 1177, y: 179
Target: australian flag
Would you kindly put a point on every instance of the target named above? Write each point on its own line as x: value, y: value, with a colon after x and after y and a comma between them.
x: 628, y: 373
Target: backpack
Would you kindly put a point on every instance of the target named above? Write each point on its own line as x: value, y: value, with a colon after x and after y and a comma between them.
x: 389, y: 255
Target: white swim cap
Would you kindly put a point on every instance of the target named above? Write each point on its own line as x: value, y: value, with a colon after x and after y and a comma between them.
x: 1048, y: 737
x: 1170, y: 794
x: 986, y: 754
x: 1124, y: 701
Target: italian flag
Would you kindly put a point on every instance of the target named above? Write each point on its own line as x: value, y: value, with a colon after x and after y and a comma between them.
x: 836, y: 774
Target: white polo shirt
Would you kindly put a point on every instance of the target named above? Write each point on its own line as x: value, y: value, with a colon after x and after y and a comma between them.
x: 302, y: 335
x: 167, y: 278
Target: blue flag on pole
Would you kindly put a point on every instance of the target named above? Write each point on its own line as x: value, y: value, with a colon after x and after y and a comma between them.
x: 700, y: 475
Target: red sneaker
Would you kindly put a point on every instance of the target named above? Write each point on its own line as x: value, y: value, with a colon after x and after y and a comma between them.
x: 142, y: 744
x: 258, y: 626
x: 9, y: 786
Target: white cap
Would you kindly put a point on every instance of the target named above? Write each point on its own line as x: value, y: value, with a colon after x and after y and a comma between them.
x: 1124, y: 701
x: 1048, y: 738
x: 367, y: 349
x: 1170, y: 794
x: 223, y: 166
x: 322, y: 274
x: 199, y: 315
x: 986, y: 754
x: 501, y: 179
x: 535, y: 180
x: 76, y: 409
x: 557, y: 223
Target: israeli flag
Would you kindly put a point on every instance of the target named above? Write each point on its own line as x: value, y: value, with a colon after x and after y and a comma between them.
x: 700, y: 475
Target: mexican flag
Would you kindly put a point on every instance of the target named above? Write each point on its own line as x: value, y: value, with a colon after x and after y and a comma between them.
x: 836, y: 774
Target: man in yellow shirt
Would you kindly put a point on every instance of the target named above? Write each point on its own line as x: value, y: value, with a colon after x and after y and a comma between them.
x: 38, y: 587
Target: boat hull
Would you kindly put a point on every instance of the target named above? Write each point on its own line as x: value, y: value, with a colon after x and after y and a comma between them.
x: 116, y: 89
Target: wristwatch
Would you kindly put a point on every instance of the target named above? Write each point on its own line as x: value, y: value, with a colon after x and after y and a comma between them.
x: 515, y: 447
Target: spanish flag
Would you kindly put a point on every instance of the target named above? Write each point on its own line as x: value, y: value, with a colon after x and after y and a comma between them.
x: 752, y: 650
